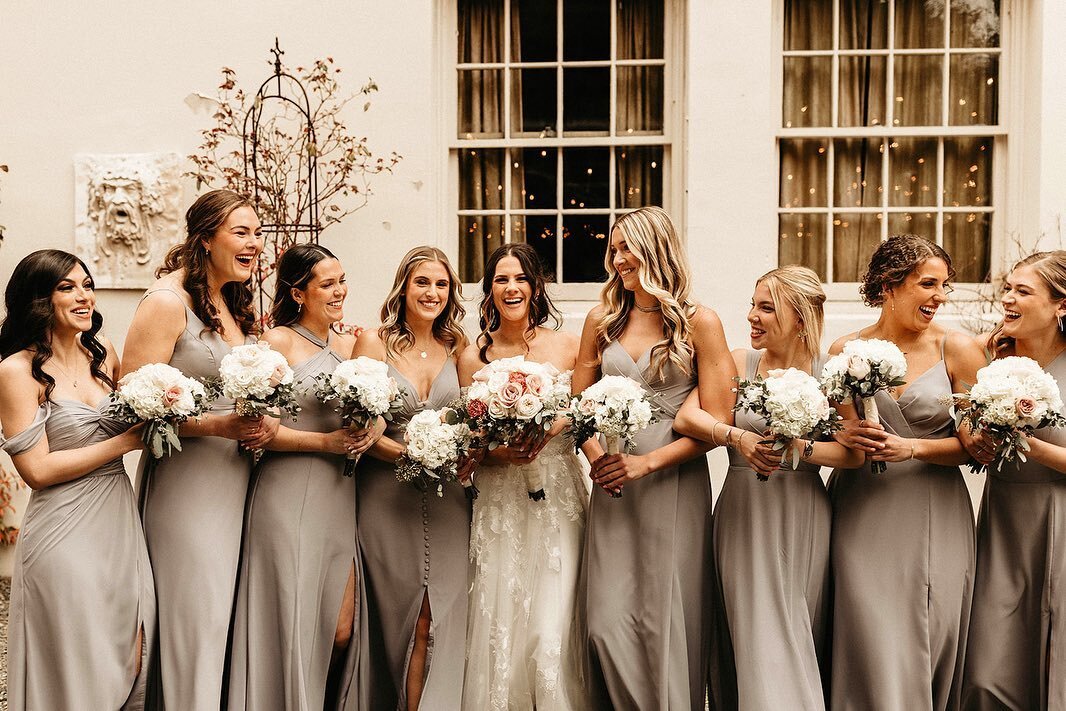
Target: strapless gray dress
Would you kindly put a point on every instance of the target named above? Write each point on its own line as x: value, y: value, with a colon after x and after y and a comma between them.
x: 771, y: 552
x: 902, y: 563
x: 193, y: 510
x: 648, y: 569
x: 414, y: 544
x: 82, y: 584
x: 299, y: 546
x: 1016, y: 656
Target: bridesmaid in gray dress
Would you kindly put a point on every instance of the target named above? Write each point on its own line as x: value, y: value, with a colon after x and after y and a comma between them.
x: 415, y: 544
x: 1016, y: 655
x: 82, y: 602
x: 902, y: 547
x: 771, y: 538
x: 295, y: 622
x: 193, y: 504
x: 647, y: 572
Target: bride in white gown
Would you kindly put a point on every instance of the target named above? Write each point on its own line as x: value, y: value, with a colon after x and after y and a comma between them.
x: 525, y: 633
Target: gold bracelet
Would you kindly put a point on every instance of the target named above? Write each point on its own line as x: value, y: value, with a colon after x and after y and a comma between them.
x: 912, y: 452
x: 713, y: 440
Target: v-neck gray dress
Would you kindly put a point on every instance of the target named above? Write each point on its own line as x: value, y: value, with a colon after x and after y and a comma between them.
x: 193, y: 510
x: 771, y: 552
x: 902, y: 563
x: 1016, y: 656
x: 414, y: 544
x: 648, y: 570
x: 299, y: 547
x: 82, y: 584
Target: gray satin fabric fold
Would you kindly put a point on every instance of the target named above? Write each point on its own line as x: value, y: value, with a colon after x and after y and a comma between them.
x: 82, y: 585
x: 193, y: 511
x: 903, y: 568
x: 414, y: 544
x: 299, y: 547
x: 1016, y: 656
x: 648, y: 571
x: 771, y: 548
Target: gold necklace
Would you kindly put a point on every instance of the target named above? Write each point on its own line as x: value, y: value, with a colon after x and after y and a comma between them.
x: 648, y: 309
x: 65, y: 372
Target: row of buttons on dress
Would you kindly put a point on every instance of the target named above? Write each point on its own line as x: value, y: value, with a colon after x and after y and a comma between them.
x: 425, y: 529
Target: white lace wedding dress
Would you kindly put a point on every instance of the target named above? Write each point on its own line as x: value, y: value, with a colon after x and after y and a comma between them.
x: 525, y: 637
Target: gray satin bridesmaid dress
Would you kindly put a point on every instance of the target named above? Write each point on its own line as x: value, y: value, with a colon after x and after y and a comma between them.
x: 648, y: 570
x: 414, y: 544
x: 299, y: 547
x: 902, y: 564
x: 82, y: 585
x: 1016, y: 655
x: 771, y: 552
x: 193, y: 511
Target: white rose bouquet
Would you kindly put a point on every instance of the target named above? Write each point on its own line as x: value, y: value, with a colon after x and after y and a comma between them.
x: 363, y: 391
x: 436, y: 442
x: 258, y: 379
x: 616, y: 407
x: 1012, y: 398
x: 862, y: 369
x: 513, y: 398
x: 793, y: 405
x: 162, y: 397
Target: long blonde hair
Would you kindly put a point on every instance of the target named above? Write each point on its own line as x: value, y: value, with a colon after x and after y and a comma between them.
x: 799, y: 289
x: 1051, y: 266
x: 664, y: 273
x: 447, y: 327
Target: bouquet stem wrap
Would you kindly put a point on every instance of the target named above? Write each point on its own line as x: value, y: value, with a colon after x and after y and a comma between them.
x: 614, y: 446
x: 869, y: 409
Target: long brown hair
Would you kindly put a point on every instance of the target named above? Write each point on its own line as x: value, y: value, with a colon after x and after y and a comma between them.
x: 1051, y: 266
x: 202, y: 220
x: 30, y: 317
x: 447, y: 327
x: 541, y: 308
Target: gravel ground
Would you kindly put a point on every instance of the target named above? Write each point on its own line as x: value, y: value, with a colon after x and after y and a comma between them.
x: 5, y: 595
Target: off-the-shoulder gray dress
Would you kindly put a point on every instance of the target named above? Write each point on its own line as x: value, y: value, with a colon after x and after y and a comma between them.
x: 193, y: 510
x: 82, y: 585
x: 902, y: 564
x: 771, y: 552
x: 299, y: 547
x: 414, y: 544
x: 1016, y: 655
x: 648, y: 570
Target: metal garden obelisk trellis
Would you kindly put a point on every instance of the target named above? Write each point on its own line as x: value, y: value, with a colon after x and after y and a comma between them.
x: 289, y: 212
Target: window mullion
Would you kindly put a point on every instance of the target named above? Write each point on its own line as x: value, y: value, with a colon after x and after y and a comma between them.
x: 940, y: 191
x: 830, y: 228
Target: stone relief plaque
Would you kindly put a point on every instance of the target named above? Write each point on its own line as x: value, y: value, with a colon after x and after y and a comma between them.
x: 127, y: 215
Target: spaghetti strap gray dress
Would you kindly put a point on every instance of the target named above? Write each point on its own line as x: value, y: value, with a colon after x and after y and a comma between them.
x: 82, y: 585
x: 902, y: 562
x: 414, y: 544
x: 193, y: 510
x: 648, y: 569
x: 771, y: 552
x: 299, y: 547
x: 1016, y: 657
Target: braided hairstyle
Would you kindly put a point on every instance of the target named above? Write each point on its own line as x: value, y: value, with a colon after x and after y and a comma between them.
x: 893, y: 260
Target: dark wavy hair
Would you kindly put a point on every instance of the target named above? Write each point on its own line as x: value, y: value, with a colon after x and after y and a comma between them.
x: 202, y: 221
x: 30, y: 317
x: 541, y: 308
x: 893, y: 260
x: 295, y: 269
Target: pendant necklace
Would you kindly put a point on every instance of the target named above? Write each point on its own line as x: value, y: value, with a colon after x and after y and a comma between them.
x: 66, y: 372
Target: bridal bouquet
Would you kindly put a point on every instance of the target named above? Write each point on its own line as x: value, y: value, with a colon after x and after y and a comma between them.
x: 163, y: 397
x: 258, y: 379
x: 512, y: 398
x: 436, y: 442
x: 862, y: 369
x: 616, y: 407
x: 363, y: 391
x: 793, y: 405
x: 1012, y: 398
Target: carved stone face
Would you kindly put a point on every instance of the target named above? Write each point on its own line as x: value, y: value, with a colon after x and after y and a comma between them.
x: 122, y: 208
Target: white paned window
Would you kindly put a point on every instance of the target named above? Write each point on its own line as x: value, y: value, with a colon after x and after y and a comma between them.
x: 563, y: 122
x: 890, y: 124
